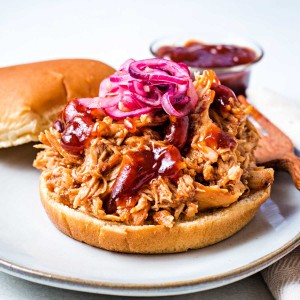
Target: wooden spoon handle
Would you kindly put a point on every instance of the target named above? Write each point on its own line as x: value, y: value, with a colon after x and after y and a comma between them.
x: 291, y: 163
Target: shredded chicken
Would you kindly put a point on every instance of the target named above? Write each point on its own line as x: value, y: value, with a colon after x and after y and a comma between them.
x: 210, y: 177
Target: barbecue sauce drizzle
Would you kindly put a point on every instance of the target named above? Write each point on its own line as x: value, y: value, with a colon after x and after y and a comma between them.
x: 215, y: 136
x: 139, y: 168
x: 75, y: 125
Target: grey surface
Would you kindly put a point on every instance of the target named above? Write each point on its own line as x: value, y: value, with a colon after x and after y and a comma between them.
x: 12, y: 288
x: 258, y: 19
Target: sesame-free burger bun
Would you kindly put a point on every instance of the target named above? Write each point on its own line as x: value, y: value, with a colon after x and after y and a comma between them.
x: 32, y: 95
x: 206, y: 229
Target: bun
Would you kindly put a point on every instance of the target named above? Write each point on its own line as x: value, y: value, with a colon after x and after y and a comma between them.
x: 31, y: 95
x: 207, y: 229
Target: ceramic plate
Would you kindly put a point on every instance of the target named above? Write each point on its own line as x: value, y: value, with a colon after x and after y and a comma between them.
x: 33, y: 249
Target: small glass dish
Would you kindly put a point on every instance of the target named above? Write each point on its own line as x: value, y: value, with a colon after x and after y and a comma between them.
x: 235, y: 77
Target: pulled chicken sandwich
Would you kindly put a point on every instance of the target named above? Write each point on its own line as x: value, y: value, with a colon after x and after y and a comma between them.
x: 157, y: 163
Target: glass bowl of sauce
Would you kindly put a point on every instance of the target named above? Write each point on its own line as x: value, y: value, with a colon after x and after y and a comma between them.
x: 231, y: 60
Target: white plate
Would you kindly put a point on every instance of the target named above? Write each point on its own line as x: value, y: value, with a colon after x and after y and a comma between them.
x: 33, y: 249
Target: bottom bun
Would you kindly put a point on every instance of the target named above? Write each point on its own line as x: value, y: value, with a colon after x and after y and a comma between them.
x: 207, y: 229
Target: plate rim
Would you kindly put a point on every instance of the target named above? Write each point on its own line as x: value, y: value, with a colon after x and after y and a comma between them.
x: 160, y: 289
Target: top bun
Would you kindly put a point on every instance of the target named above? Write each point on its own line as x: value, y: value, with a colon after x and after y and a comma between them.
x: 31, y: 95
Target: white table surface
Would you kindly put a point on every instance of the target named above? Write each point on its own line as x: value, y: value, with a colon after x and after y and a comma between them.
x: 113, y: 31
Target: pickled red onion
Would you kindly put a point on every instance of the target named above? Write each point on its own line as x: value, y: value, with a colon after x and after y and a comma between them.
x: 144, y: 70
x: 145, y: 86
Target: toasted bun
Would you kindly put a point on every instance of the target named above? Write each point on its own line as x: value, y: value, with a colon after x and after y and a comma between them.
x: 207, y: 229
x: 32, y: 95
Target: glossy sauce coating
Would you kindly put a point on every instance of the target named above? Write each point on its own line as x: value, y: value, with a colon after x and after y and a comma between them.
x: 177, y: 132
x: 139, y: 168
x: 217, y: 138
x: 199, y: 55
x: 222, y: 98
x: 77, y: 133
x: 75, y: 125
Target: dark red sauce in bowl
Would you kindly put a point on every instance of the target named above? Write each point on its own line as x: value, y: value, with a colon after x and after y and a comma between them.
x: 231, y: 62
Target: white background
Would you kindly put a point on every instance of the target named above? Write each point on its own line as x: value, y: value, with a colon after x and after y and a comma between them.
x: 113, y: 31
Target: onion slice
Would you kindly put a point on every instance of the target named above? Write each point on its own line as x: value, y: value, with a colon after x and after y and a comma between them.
x: 117, y: 114
x: 141, y: 70
x: 145, y: 86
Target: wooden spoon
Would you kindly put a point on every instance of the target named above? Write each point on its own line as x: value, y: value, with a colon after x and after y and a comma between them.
x: 274, y: 149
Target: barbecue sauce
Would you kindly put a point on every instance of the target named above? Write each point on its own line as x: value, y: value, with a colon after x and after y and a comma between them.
x: 221, y: 58
x: 75, y: 124
x: 222, y: 98
x: 177, y: 132
x: 140, y: 167
x: 217, y: 138
x: 199, y: 55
